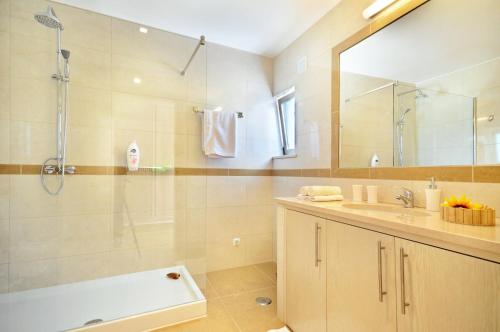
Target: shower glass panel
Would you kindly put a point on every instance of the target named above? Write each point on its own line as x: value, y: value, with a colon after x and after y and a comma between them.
x: 366, y: 117
x: 385, y: 124
x: 112, y: 243
x: 433, y: 128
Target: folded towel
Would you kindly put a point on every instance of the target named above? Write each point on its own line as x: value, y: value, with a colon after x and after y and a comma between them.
x: 283, y: 329
x: 219, y: 134
x: 321, y: 198
x: 320, y: 190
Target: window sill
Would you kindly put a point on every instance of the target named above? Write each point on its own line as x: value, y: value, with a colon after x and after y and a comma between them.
x: 287, y: 156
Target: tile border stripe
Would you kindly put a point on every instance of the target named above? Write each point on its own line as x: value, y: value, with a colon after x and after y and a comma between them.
x: 480, y: 174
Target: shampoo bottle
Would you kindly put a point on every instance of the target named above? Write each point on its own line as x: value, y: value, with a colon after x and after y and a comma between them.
x: 133, y: 156
x: 432, y: 196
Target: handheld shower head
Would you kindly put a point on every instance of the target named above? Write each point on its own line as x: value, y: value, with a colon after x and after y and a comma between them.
x: 49, y: 19
x: 403, y: 116
x: 420, y: 94
x: 65, y: 54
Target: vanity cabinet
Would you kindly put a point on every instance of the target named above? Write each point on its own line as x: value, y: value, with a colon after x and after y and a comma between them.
x: 361, y: 280
x: 305, y: 270
x: 445, y: 291
x: 342, y: 277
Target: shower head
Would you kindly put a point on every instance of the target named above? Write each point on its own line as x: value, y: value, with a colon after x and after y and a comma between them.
x: 65, y: 54
x: 420, y: 94
x: 49, y: 19
x: 403, y: 115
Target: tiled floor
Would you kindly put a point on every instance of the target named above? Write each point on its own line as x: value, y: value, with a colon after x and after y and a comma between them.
x: 231, y: 301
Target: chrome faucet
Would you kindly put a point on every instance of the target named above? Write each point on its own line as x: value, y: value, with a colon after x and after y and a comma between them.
x: 408, y: 198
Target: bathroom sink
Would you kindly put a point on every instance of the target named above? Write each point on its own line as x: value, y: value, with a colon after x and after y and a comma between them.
x: 385, y: 208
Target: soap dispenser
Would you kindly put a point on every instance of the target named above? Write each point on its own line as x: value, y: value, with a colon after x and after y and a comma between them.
x: 432, y: 196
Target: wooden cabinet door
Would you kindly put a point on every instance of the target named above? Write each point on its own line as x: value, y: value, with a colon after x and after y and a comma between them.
x: 360, y: 280
x: 305, y: 278
x: 445, y: 291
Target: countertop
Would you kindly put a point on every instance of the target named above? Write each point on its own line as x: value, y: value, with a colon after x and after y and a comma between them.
x: 479, y: 241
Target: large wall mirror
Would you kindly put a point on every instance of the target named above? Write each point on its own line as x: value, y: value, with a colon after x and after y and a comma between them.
x: 424, y: 90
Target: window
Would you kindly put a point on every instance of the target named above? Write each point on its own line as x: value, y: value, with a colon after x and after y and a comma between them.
x: 285, y: 105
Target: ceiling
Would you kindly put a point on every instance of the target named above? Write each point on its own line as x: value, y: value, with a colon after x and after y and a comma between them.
x: 264, y: 27
x: 437, y: 38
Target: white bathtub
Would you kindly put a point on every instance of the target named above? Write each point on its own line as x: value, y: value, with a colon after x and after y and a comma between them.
x: 130, y: 302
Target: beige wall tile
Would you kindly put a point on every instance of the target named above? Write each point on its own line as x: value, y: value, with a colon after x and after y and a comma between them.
x: 133, y: 194
x: 4, y: 197
x: 226, y: 191
x: 88, y: 107
x: 40, y: 107
x: 28, y: 275
x: 52, y: 237
x: 224, y: 223
x: 259, y: 248
x: 259, y: 220
x: 89, y: 146
x: 221, y: 254
x: 90, y: 68
x: 5, y: 96
x: 196, y: 229
x: 4, y: 241
x: 31, y: 142
x: 4, y: 278
x: 133, y: 112
x: 196, y: 192
x: 84, y: 267
x: 5, y: 14
x: 259, y: 190
x: 84, y: 28
x: 225, y: 65
x: 43, y: 273
x: 157, y: 78
x: 84, y: 194
x: 156, y: 45
x: 32, y: 57
x: 4, y: 141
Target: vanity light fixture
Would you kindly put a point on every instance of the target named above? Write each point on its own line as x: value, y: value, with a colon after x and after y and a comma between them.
x: 376, y: 8
x: 137, y: 80
x: 143, y: 30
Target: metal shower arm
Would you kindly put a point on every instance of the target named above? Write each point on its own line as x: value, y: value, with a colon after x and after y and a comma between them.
x: 200, y: 43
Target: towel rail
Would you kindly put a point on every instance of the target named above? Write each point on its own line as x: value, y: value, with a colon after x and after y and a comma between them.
x: 198, y: 110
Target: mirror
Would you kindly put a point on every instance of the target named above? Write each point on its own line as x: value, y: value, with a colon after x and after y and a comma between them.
x: 424, y: 90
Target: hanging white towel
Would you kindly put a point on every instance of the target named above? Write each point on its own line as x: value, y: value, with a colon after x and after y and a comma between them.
x: 219, y: 134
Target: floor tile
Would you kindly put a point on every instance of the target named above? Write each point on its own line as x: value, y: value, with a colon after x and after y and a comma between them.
x: 248, y: 315
x: 237, y: 280
x: 231, y: 302
x: 269, y: 269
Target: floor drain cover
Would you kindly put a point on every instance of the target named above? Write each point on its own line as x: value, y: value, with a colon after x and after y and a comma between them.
x: 263, y: 301
x: 93, y: 321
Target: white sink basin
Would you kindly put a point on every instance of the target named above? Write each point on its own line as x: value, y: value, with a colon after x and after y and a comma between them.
x: 385, y: 208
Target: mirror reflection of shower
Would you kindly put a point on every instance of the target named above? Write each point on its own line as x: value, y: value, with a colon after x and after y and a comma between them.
x: 57, y: 165
x: 401, y: 123
x: 400, y: 136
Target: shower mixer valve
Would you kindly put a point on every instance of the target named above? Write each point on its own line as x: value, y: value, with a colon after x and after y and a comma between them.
x: 59, y: 77
x: 54, y: 169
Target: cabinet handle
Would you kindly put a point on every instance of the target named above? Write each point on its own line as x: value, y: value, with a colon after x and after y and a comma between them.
x: 402, y: 257
x: 316, y: 242
x: 381, y: 291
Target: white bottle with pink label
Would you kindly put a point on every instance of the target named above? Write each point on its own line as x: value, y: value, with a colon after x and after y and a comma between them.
x: 133, y: 156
